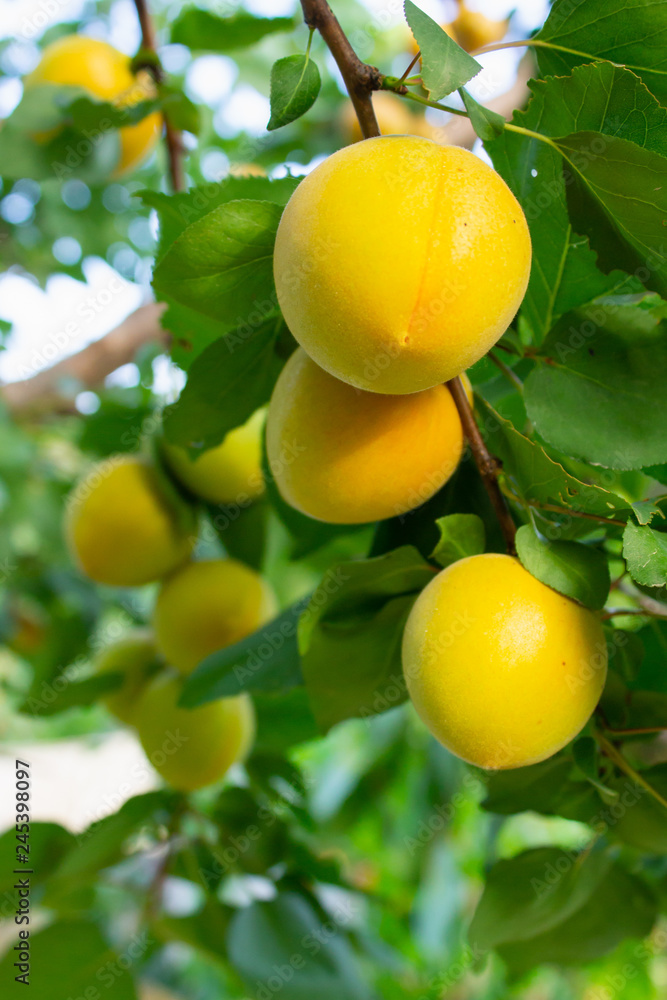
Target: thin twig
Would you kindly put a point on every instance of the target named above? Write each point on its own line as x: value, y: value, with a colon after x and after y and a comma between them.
x: 172, y: 136
x: 617, y: 757
x: 360, y: 78
x: 507, y: 372
x: 487, y: 465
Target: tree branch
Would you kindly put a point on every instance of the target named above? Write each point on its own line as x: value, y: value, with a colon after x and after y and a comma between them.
x: 54, y: 389
x: 172, y: 136
x: 487, y: 465
x: 360, y: 78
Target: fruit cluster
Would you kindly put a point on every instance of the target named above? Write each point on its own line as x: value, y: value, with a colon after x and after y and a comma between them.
x: 398, y: 264
x: 128, y: 524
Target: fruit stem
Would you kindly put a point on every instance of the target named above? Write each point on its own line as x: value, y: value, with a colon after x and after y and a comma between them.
x: 487, y: 465
x: 617, y: 757
x: 359, y: 78
x: 172, y: 136
x: 407, y: 72
x: 507, y: 372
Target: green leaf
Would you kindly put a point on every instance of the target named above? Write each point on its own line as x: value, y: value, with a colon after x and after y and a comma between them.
x: 461, y: 535
x: 222, y: 265
x: 267, y: 660
x: 78, y: 693
x: 178, y: 211
x: 487, y: 124
x: 642, y: 824
x: 565, y: 274
x: 350, y: 635
x: 445, y: 66
x: 181, y: 112
x: 202, y: 31
x: 573, y: 569
x: 613, y: 394
x: 622, y: 907
x: 101, y: 845
x: 535, y: 478
x: 295, y: 84
x: 622, y: 31
x: 587, y: 758
x: 229, y: 380
x: 532, y: 893
x: 75, y: 956
x: 307, y: 534
x: 547, y: 788
x: 286, y: 933
x: 48, y: 843
x: 645, y: 552
x: 619, y: 201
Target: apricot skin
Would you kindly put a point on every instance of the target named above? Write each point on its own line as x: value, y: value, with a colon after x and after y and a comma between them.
x: 192, y: 748
x: 347, y: 456
x: 502, y: 669
x: 104, y: 72
x: 120, y: 527
x: 133, y: 656
x: 228, y: 473
x: 399, y: 262
x: 206, y: 606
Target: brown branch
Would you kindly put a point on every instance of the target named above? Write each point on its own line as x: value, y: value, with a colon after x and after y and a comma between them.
x: 487, y: 465
x: 360, y: 78
x: 172, y: 137
x: 54, y: 389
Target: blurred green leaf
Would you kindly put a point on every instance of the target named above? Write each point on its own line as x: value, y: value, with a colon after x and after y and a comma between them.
x: 287, y: 934
x: 75, y: 956
x: 622, y: 906
x: 533, y: 893
x: 267, y: 660
x: 205, y: 31
x: 351, y: 631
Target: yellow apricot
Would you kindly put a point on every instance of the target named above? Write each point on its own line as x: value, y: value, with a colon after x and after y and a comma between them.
x: 104, y: 72
x: 348, y: 456
x: 192, y: 748
x: 133, y: 656
x: 473, y: 30
x: 228, y: 473
x: 121, y: 527
x: 209, y: 605
x: 503, y: 670
x: 399, y: 262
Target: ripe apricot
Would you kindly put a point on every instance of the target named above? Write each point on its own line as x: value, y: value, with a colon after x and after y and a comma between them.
x: 348, y: 456
x: 473, y: 30
x: 104, y: 72
x: 503, y: 670
x: 399, y: 262
x: 134, y: 656
x: 228, y: 472
x: 122, y: 528
x: 192, y: 748
x: 209, y: 605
